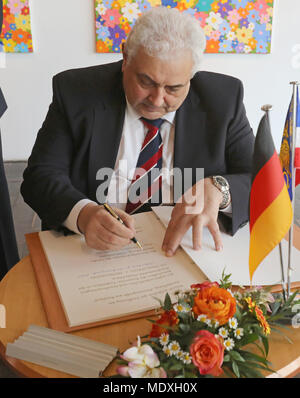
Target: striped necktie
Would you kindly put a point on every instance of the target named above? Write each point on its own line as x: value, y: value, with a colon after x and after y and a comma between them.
x: 146, y: 184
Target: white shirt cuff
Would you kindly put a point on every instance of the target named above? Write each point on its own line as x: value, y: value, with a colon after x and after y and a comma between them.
x: 227, y: 210
x: 71, y: 221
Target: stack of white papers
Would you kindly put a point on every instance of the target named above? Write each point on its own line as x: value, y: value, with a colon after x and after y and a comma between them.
x: 67, y: 353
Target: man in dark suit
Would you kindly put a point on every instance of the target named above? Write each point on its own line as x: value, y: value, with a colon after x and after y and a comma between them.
x: 94, y: 123
x: 8, y: 246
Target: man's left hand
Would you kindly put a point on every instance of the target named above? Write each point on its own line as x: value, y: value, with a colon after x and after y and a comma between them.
x: 200, y: 212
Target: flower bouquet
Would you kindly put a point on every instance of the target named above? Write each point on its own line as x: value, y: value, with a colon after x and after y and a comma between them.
x: 207, y: 333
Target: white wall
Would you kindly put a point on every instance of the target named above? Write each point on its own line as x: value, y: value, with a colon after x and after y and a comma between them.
x: 64, y: 38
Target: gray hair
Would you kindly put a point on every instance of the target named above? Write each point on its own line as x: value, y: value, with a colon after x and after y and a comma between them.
x: 164, y: 31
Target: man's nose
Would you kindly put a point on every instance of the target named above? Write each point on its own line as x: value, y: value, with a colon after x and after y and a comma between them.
x: 157, y: 96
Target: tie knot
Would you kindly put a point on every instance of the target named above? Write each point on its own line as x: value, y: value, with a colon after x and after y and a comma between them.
x: 152, y: 123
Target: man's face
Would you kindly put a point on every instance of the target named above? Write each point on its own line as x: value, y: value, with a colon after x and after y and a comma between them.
x: 154, y: 87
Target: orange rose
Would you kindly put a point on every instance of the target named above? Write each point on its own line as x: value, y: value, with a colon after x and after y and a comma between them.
x: 216, y: 303
x: 207, y: 353
x: 168, y: 318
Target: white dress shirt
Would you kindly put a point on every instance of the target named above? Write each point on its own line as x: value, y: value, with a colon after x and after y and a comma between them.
x: 133, y: 135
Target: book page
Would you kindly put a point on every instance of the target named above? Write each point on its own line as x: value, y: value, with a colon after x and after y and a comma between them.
x: 234, y: 258
x: 98, y: 285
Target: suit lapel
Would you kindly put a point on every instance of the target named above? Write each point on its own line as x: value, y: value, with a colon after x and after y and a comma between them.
x: 189, y: 130
x: 107, y: 131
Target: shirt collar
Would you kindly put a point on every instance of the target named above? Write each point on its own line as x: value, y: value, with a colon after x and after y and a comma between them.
x: 133, y: 115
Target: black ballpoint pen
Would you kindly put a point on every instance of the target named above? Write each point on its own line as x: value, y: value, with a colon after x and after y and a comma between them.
x: 115, y: 215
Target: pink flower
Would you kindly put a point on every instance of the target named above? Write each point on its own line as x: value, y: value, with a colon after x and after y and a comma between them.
x: 201, y: 16
x: 261, y: 6
x: 15, y: 6
x: 234, y: 16
x: 142, y: 362
x: 215, y: 35
x: 111, y: 18
x: 264, y: 18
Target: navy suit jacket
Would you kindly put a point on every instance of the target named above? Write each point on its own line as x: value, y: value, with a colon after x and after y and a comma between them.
x: 83, y: 128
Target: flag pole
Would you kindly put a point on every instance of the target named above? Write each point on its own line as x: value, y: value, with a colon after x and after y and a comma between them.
x: 291, y: 231
x: 266, y: 108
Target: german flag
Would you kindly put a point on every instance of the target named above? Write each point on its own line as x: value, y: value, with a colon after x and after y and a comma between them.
x: 271, y: 211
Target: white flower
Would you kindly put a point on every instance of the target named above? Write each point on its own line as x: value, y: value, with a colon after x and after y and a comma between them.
x: 230, y: 36
x: 251, y: 26
x: 229, y: 344
x: 179, y: 354
x: 215, y: 323
x: 164, y: 339
x: 131, y: 11
x: 223, y: 332
x: 167, y: 350
x: 208, y: 322
x: 238, y: 295
x: 247, y: 49
x: 238, y: 333
x: 232, y: 323
x: 101, y: 9
x: 182, y: 308
x: 201, y: 318
x: 141, y: 360
x: 174, y: 347
x: 214, y: 20
x: 187, y: 359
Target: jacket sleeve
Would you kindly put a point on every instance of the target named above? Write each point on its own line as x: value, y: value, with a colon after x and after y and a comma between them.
x: 47, y: 187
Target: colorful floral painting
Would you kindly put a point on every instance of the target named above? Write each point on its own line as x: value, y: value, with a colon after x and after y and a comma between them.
x: 230, y: 26
x: 16, y: 29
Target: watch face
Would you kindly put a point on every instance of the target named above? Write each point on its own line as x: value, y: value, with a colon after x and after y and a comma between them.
x: 221, y: 182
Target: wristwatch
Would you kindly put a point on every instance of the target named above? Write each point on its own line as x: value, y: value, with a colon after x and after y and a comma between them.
x: 222, y: 184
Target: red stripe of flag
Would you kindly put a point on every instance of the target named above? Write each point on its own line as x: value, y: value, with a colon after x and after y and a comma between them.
x: 266, y: 186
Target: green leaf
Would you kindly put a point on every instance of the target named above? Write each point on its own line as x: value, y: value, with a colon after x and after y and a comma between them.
x: 236, y: 356
x: 275, y: 308
x: 250, y: 372
x: 176, y: 366
x: 250, y: 338
x: 235, y: 369
x: 257, y: 365
x: 265, y: 342
x: 190, y: 375
x: 254, y: 357
x: 226, y: 358
x: 184, y: 328
x: 260, y: 348
x: 167, y: 303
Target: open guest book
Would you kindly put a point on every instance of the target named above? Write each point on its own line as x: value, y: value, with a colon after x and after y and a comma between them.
x: 82, y: 287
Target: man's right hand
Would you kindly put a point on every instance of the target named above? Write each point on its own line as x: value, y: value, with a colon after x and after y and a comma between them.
x: 102, y: 231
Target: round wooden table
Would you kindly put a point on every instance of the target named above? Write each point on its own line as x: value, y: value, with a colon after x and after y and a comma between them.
x: 20, y: 295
